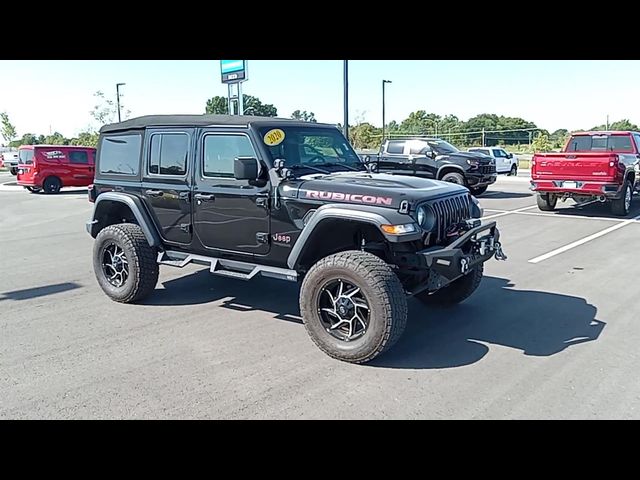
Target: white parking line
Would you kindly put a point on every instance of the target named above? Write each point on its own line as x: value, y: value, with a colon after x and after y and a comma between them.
x: 582, y: 241
x: 508, y: 212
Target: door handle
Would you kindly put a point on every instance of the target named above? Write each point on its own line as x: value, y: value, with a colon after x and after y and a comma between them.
x: 154, y: 193
x: 203, y: 197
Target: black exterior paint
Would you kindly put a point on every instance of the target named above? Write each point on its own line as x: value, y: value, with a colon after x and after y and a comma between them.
x: 250, y: 221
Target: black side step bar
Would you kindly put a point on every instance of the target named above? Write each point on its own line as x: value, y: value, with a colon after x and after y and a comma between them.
x: 226, y: 268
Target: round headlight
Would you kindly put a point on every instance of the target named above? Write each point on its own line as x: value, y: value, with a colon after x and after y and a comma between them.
x: 422, y: 216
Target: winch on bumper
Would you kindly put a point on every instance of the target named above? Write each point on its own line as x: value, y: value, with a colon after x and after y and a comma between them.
x: 446, y: 264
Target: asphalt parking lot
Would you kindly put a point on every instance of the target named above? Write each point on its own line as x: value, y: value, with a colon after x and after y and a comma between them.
x: 551, y: 333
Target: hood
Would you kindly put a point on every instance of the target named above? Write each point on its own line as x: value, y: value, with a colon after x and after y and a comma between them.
x: 480, y: 157
x: 367, y: 189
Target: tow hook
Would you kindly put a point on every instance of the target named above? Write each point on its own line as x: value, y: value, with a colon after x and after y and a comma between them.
x: 464, y: 266
x: 499, y: 255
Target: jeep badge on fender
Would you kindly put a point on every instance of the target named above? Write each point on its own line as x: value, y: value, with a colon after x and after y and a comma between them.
x: 287, y: 200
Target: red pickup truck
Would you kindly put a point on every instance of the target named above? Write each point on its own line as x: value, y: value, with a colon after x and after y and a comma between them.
x: 593, y: 166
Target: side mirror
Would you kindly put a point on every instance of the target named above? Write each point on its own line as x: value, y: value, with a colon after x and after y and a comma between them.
x: 509, y: 156
x: 246, y: 168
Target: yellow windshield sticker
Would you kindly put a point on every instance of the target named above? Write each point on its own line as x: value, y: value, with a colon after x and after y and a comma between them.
x: 274, y: 137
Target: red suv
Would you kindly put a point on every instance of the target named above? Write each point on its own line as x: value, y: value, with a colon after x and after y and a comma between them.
x: 51, y: 167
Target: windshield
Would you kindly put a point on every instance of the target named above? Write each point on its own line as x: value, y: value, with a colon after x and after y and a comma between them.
x: 600, y: 143
x: 311, y: 148
x: 25, y: 156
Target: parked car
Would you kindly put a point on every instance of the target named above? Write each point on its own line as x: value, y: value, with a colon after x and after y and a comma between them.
x: 10, y: 161
x: 436, y: 159
x: 602, y: 166
x: 285, y: 199
x: 48, y: 168
x: 505, y: 162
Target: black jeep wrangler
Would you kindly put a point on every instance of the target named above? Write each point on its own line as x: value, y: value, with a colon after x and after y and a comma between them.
x: 437, y: 159
x: 285, y: 199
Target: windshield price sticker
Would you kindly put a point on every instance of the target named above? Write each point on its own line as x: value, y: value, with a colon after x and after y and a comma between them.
x: 273, y: 137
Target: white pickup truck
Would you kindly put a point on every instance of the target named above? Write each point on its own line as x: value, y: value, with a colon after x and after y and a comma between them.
x: 10, y: 161
x: 505, y: 162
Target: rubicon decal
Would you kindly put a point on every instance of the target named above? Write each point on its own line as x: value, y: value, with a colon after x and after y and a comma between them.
x: 349, y: 197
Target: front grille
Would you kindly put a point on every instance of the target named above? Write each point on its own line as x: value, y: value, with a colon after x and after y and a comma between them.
x: 487, y: 169
x: 449, y: 211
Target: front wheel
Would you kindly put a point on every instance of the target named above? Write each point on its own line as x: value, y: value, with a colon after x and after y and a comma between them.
x: 514, y: 171
x: 476, y: 191
x: 124, y: 263
x: 456, y: 291
x: 454, y: 177
x: 353, y: 306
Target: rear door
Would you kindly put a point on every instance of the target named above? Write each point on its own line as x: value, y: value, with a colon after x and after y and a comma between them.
x: 166, y: 182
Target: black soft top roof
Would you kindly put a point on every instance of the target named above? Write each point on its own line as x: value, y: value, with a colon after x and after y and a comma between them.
x: 203, y: 121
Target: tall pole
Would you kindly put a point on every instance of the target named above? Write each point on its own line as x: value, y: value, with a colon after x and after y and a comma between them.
x: 383, y: 109
x: 240, y: 100
x: 483, y: 136
x: 118, y: 85
x: 346, y: 98
x: 607, y: 122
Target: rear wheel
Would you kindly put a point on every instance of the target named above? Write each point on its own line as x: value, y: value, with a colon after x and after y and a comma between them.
x: 124, y: 263
x: 52, y: 185
x: 622, y: 206
x: 454, y: 177
x: 456, y: 291
x: 546, y: 201
x: 478, y: 190
x: 353, y: 306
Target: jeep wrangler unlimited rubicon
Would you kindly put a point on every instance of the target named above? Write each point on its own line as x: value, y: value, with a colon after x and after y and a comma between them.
x: 285, y: 199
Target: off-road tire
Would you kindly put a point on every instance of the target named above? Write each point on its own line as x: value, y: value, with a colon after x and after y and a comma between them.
x: 51, y: 185
x: 454, y: 177
x: 141, y: 257
x: 514, y: 171
x: 385, y: 296
x: 456, y: 292
x: 546, y: 202
x: 620, y: 207
x: 477, y: 191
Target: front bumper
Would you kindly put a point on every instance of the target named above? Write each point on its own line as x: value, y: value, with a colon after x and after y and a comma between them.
x: 480, y: 180
x: 587, y: 188
x: 474, y: 247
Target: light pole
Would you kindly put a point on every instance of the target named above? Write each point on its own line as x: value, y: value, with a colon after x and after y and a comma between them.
x: 118, y: 85
x: 346, y: 98
x: 383, y: 119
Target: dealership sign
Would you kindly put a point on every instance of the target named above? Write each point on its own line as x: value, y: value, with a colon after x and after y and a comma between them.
x: 233, y: 71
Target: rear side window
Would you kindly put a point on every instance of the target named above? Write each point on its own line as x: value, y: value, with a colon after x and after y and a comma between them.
x: 25, y: 156
x: 120, y: 154
x: 395, y: 146
x: 79, y: 156
x: 636, y: 137
x: 220, y: 151
x: 168, y: 154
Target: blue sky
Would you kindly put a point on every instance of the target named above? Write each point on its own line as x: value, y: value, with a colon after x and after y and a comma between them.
x: 40, y: 96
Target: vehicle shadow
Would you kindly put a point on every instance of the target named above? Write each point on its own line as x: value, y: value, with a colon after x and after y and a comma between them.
x: 36, y: 292
x: 503, y: 195
x: 596, y: 209
x: 537, y: 323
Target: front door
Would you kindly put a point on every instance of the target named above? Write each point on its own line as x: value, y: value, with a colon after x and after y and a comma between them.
x: 166, y: 184
x: 503, y: 163
x: 229, y: 215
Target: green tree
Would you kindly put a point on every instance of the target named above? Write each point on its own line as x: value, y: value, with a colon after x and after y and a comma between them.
x: 559, y: 137
x: 55, y: 139
x: 87, y: 138
x: 304, y: 116
x: 623, y: 124
x: 541, y: 143
x: 106, y: 111
x: 7, y: 130
x: 365, y: 135
x: 252, y: 106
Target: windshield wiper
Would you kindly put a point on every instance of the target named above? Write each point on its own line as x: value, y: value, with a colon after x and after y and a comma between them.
x: 299, y: 166
x: 333, y: 164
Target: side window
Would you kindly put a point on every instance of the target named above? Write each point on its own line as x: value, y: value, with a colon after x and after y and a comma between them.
x: 120, y: 154
x: 419, y: 148
x: 220, y: 151
x: 636, y: 137
x: 395, y: 146
x: 92, y: 160
x: 168, y: 154
x: 499, y: 153
x: 78, y: 156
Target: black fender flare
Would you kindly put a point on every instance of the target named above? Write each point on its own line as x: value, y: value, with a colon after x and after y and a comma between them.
x: 137, y: 208
x: 450, y: 166
x: 372, y: 215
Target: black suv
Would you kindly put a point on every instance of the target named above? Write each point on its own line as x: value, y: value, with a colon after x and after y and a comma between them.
x: 289, y: 200
x: 435, y: 158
